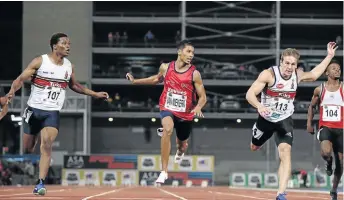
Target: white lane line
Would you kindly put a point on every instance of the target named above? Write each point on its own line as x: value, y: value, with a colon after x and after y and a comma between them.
x: 102, y: 194
x: 172, y: 194
x: 239, y: 195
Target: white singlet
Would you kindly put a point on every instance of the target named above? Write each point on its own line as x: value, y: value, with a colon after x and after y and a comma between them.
x: 331, y: 108
x: 280, y: 96
x: 48, y: 85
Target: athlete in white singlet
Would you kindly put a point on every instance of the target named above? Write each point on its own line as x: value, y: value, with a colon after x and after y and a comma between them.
x: 50, y: 75
x: 329, y: 96
x: 278, y: 86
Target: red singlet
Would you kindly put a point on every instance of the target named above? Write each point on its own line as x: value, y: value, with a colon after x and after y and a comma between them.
x: 179, y: 94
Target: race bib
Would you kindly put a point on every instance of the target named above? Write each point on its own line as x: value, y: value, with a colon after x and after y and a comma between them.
x: 51, y: 95
x: 175, y: 102
x: 331, y: 113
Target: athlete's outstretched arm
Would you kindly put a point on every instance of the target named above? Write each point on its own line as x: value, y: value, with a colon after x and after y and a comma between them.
x: 4, y: 109
x: 25, y: 75
x: 152, y: 80
x: 202, y: 96
x: 317, y: 71
x: 78, y: 88
x: 312, y: 109
x: 257, y: 87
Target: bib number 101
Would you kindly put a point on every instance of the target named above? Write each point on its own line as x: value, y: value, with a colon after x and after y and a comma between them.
x: 53, y: 95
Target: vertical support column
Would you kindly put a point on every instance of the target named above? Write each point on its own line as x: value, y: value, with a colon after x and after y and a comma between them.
x: 88, y: 117
x: 315, y: 142
x: 85, y: 146
x: 278, y: 47
x: 183, y: 32
x: 22, y: 105
x: 268, y: 157
x: 278, y: 31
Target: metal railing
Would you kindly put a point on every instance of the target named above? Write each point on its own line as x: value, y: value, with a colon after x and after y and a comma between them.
x: 73, y: 104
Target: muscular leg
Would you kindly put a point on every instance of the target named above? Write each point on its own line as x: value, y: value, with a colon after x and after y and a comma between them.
x: 326, y: 154
x: 29, y: 143
x: 338, y: 157
x: 284, y: 170
x: 183, y: 131
x: 48, y: 135
x: 182, y: 146
x: 168, y: 125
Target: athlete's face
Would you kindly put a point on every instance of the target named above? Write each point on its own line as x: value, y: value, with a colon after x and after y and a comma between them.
x: 63, y: 46
x: 288, y: 65
x: 187, y: 54
x: 333, y: 71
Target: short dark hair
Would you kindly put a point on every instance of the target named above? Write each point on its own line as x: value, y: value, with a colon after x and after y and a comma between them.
x: 333, y: 61
x: 55, y: 39
x: 182, y: 44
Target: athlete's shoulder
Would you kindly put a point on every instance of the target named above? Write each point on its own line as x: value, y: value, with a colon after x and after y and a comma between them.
x: 68, y: 62
x: 317, y: 90
x: 36, y: 62
x: 196, y: 75
x: 164, y: 66
x: 267, y: 74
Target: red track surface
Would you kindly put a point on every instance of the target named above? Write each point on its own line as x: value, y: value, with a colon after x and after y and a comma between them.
x: 153, y: 193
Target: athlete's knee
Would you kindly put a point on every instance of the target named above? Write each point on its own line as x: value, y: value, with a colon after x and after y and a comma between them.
x: 254, y: 147
x: 339, y: 165
x: 326, y: 148
x: 168, y: 130
x: 338, y: 171
x: 284, y: 150
x: 339, y: 168
x: 182, y: 144
x: 29, y: 150
x: 46, y: 146
x: 326, y: 153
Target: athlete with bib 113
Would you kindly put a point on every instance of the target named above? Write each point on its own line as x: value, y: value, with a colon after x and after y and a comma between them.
x: 50, y: 75
x: 278, y: 86
x: 182, y: 85
x: 329, y: 96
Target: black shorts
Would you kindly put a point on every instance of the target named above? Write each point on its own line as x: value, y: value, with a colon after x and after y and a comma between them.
x: 263, y: 130
x: 183, y: 127
x: 334, y: 135
x: 34, y: 120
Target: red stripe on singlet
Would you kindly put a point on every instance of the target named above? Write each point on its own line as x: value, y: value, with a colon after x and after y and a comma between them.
x: 44, y: 83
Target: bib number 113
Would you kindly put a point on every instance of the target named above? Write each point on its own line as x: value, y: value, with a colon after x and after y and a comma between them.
x: 281, y: 106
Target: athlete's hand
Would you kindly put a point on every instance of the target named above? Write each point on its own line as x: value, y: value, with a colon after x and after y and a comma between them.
x: 10, y: 96
x: 197, y: 112
x: 4, y: 101
x: 310, y: 129
x: 263, y: 111
x: 101, y: 95
x: 331, y: 48
x: 130, y: 77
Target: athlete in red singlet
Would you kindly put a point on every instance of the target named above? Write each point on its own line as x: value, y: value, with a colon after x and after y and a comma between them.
x: 182, y: 84
x: 330, y: 98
